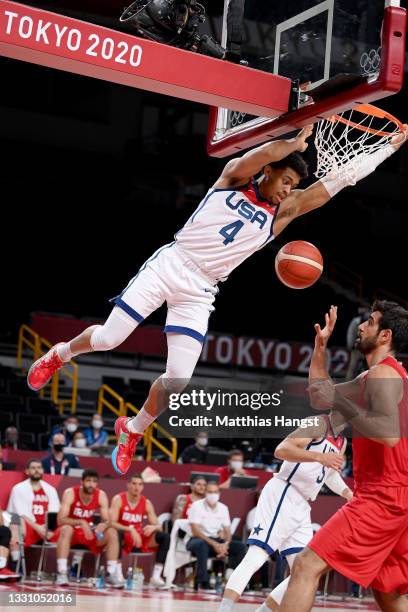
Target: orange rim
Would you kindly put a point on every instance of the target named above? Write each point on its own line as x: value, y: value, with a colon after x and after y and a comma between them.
x: 374, y: 111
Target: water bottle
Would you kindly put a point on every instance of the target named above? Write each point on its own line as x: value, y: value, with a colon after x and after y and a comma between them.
x: 138, y: 579
x: 212, y: 580
x: 129, y: 579
x: 100, y: 582
x: 218, y: 584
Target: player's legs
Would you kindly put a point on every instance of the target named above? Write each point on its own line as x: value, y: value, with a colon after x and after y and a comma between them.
x: 183, y: 354
x: 115, y: 330
x: 110, y: 543
x: 65, y: 535
x: 251, y: 563
x: 391, y: 602
x: 305, y: 575
x: 274, y: 598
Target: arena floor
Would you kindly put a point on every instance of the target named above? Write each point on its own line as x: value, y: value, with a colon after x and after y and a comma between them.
x: 108, y: 600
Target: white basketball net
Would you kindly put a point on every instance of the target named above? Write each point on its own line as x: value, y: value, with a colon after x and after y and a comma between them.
x: 340, y: 144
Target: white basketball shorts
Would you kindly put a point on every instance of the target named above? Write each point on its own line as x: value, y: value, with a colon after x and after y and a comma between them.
x: 170, y: 276
x: 282, y: 519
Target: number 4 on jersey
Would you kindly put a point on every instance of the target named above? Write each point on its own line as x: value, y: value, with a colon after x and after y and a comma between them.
x: 230, y: 231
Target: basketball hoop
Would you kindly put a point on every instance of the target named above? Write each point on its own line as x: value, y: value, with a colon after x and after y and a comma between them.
x: 342, y: 139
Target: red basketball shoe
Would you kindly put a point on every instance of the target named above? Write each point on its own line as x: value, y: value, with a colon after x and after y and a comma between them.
x: 123, y: 453
x: 43, y: 369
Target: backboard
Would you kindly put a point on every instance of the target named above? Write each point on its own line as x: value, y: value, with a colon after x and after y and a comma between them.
x: 340, y: 52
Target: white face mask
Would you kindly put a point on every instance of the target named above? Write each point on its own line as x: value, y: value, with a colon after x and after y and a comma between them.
x: 80, y: 443
x: 212, y: 498
x: 236, y: 465
x: 97, y: 424
x: 71, y: 427
x: 202, y: 441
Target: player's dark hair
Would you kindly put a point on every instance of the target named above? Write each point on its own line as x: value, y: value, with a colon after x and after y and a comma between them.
x: 136, y: 475
x: 30, y: 461
x: 395, y: 318
x: 90, y: 474
x: 213, y: 482
x: 295, y: 161
x: 234, y: 452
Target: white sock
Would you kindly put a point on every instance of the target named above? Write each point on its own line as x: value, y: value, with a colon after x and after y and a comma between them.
x: 62, y: 566
x: 64, y: 352
x: 263, y: 608
x: 15, y: 555
x: 112, y: 567
x: 3, y: 562
x: 158, y: 568
x: 140, y: 422
x: 226, y: 605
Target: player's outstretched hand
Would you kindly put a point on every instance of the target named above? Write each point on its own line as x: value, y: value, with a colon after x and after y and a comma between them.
x: 303, y: 136
x: 323, y: 335
x: 398, y: 140
x: 333, y: 461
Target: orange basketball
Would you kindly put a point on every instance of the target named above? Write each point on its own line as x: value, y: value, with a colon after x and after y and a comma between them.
x: 299, y: 264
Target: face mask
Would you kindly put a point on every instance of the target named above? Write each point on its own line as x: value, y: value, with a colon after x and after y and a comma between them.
x: 97, y: 424
x: 71, y: 427
x: 236, y: 465
x: 80, y: 443
x: 202, y: 441
x: 212, y: 498
x: 58, y: 447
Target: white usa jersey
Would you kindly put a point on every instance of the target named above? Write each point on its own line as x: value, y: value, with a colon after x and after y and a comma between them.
x: 308, y: 478
x: 228, y: 226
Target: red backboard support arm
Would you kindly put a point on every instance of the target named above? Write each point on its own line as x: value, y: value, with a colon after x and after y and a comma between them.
x: 389, y: 81
x: 53, y: 40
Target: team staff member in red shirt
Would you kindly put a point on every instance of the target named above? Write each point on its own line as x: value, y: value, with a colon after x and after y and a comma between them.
x: 76, y: 526
x: 234, y: 468
x: 134, y: 516
x: 367, y: 539
x: 31, y: 500
x: 183, y: 502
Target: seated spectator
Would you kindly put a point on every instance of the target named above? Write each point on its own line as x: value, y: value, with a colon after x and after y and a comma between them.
x: 234, y: 468
x: 5, y: 537
x: 95, y: 435
x: 10, y: 438
x: 68, y: 428
x: 76, y: 526
x: 79, y: 440
x: 211, y: 529
x: 128, y: 511
x: 57, y: 462
x: 196, y: 453
x: 183, y: 502
x: 31, y: 500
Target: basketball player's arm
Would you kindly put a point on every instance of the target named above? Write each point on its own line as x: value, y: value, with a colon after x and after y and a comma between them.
x: 255, y: 160
x: 294, y: 447
x: 178, y: 507
x: 336, y: 484
x: 154, y: 524
x: 104, y: 511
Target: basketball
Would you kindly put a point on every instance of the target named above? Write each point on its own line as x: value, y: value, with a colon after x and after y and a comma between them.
x: 299, y: 264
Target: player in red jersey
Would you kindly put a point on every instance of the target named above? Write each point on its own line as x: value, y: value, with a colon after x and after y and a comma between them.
x: 76, y: 526
x: 31, y: 500
x: 133, y: 515
x: 183, y: 502
x: 367, y: 539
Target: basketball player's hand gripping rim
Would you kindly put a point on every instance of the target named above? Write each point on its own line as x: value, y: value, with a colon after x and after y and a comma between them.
x: 398, y: 140
x: 302, y: 137
x: 323, y: 335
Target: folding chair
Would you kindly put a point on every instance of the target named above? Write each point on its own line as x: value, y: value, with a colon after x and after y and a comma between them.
x: 21, y: 564
x: 50, y: 525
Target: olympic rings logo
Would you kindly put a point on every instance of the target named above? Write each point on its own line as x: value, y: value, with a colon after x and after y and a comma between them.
x: 236, y: 118
x: 370, y: 62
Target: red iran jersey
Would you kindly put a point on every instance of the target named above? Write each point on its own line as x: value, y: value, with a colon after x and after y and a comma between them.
x: 132, y: 515
x: 375, y: 464
x: 186, y: 508
x: 40, y: 506
x: 79, y: 510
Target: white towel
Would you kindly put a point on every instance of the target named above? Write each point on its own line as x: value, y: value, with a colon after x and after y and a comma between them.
x: 178, y: 554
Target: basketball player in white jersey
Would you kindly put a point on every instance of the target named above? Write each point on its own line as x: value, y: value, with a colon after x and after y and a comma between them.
x: 237, y: 217
x: 312, y: 457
